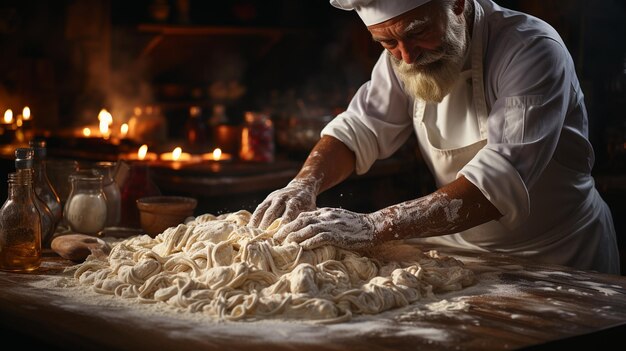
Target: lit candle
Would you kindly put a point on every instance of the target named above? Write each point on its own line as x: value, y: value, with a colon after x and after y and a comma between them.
x: 176, y: 155
x: 216, y: 155
x: 123, y: 130
x: 26, y: 113
x: 7, y: 128
x: 8, y: 117
x: 142, y: 154
x: 105, y: 120
x: 86, y: 132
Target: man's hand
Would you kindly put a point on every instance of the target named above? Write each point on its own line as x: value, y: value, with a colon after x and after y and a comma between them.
x: 330, y: 226
x: 286, y: 203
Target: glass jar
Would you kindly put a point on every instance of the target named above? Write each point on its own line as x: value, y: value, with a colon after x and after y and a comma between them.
x: 20, y: 226
x: 86, y: 207
x: 111, y: 191
x: 257, y: 138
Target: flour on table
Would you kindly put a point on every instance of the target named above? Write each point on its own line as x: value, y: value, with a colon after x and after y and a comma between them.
x: 219, y: 267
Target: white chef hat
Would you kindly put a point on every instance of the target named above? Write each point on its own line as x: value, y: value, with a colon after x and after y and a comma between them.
x: 377, y: 11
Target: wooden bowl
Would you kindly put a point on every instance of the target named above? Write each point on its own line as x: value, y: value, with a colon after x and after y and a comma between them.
x: 157, y: 213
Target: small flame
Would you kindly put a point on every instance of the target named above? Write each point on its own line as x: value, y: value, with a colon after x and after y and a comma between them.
x: 217, y: 154
x: 143, y: 151
x: 124, y: 130
x: 176, y: 153
x: 86, y: 132
x: 26, y: 113
x: 8, y: 116
x: 106, y: 119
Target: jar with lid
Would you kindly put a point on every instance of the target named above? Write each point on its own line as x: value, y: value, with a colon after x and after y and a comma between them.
x: 111, y: 191
x: 257, y: 138
x: 20, y: 226
x: 86, y: 207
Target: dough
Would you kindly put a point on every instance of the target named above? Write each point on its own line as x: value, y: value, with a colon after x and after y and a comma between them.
x: 219, y: 266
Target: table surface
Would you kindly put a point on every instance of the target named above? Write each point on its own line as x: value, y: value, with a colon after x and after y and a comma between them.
x: 514, y: 304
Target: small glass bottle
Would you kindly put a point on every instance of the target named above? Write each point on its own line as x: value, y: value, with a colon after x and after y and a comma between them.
x: 24, y: 162
x: 20, y: 226
x: 86, y: 208
x: 257, y: 138
x: 111, y: 191
x: 43, y: 187
x: 138, y: 184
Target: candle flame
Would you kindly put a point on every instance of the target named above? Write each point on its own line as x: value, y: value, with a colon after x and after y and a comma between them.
x: 26, y: 113
x: 106, y: 119
x: 124, y: 129
x: 176, y: 153
x: 217, y: 154
x: 143, y: 151
x: 8, y: 116
x: 86, y: 132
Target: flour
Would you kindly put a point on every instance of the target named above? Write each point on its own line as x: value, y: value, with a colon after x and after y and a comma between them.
x: 218, y: 267
x: 86, y: 213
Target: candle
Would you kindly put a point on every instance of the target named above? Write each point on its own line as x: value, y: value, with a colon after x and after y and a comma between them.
x: 105, y: 120
x: 123, y: 130
x: 26, y: 113
x: 176, y: 155
x: 7, y: 128
x: 8, y: 117
x: 141, y: 155
x: 216, y: 155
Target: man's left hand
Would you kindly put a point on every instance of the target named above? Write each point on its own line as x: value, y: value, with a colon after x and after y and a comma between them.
x: 329, y: 226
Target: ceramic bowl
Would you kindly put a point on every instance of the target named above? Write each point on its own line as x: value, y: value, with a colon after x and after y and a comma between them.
x: 157, y: 213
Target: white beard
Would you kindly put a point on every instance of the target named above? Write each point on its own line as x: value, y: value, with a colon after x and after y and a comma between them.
x: 432, y: 76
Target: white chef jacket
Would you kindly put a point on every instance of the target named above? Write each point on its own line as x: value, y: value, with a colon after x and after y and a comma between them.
x: 515, y: 126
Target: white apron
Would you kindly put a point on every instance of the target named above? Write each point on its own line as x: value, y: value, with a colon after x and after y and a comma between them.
x: 452, y: 132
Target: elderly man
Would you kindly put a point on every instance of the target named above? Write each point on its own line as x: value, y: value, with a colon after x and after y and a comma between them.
x: 500, y: 119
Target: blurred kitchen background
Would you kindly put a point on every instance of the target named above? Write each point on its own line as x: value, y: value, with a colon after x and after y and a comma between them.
x: 195, y: 74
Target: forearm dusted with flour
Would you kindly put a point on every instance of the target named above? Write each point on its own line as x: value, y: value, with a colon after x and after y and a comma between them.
x: 455, y: 207
x: 329, y: 163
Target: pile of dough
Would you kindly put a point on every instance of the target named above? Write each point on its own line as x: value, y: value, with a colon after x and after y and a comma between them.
x: 219, y: 266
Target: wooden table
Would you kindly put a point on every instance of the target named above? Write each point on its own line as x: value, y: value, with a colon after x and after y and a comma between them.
x: 515, y: 304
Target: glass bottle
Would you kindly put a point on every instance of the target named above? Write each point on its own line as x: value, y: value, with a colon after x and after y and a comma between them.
x: 86, y: 208
x: 111, y: 191
x: 138, y: 184
x: 20, y: 226
x: 24, y: 162
x: 257, y: 138
x: 43, y: 188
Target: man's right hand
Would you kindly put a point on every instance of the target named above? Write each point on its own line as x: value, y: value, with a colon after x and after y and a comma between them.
x: 286, y: 203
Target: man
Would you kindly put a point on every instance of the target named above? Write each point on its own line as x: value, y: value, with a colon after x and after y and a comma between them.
x: 493, y: 97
